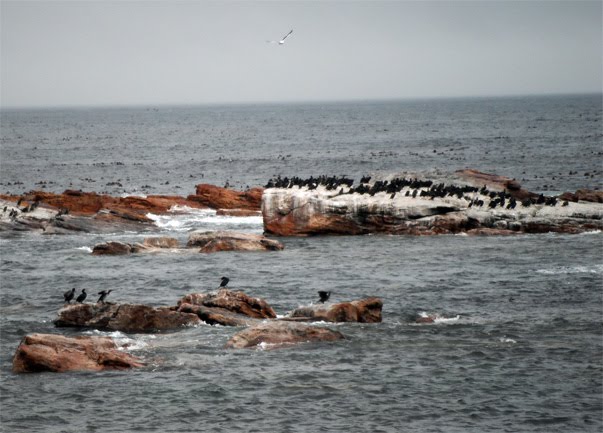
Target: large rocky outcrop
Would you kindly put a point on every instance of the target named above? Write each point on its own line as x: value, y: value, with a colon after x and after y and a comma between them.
x: 365, y: 311
x: 49, y: 352
x: 124, y: 317
x: 224, y: 198
x: 226, y: 307
x: 151, y: 244
x: 214, y: 241
x: 279, y: 334
x: 464, y: 202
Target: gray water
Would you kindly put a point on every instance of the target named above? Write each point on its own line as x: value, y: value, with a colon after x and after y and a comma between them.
x: 522, y: 350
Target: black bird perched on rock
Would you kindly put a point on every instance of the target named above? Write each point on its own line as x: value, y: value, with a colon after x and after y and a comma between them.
x: 68, y: 295
x: 103, y: 294
x: 82, y: 296
x: 224, y: 282
x: 324, y: 296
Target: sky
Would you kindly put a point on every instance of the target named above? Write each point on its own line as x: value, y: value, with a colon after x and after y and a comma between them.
x: 93, y: 53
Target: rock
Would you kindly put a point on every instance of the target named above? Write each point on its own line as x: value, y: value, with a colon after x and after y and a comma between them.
x: 161, y: 242
x: 112, y: 248
x: 321, y: 211
x: 49, y: 352
x: 278, y: 334
x: 211, y: 242
x: 223, y: 198
x: 239, y: 212
x: 365, y: 311
x: 217, y: 316
x: 584, y: 195
x: 232, y: 302
x: 124, y: 317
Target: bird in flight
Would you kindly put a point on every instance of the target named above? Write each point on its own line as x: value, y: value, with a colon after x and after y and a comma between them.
x: 282, y: 41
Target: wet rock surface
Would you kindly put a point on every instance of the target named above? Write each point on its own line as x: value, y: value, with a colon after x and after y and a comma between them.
x: 124, y: 317
x: 365, y: 311
x: 57, y: 353
x: 281, y: 334
x: 215, y: 241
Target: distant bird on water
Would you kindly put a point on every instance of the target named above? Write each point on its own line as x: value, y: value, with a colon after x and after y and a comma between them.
x: 103, y: 294
x: 224, y: 282
x: 282, y: 41
x: 82, y: 296
x: 324, y: 296
x: 68, y: 295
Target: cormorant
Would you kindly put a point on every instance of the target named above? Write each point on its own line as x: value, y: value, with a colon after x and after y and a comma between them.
x: 224, y: 282
x: 324, y: 296
x: 68, y: 295
x: 103, y: 294
x: 82, y: 296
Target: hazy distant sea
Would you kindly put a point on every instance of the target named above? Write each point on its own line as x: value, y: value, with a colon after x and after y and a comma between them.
x: 521, y: 350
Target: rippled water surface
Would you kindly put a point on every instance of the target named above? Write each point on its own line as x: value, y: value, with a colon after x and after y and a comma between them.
x: 521, y: 348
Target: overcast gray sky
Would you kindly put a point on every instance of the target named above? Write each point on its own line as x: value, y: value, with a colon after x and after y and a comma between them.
x: 57, y: 53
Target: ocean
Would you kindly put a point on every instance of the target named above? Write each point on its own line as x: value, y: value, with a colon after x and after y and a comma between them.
x: 518, y: 348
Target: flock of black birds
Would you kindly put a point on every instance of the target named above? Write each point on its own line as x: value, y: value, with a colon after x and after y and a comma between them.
x: 70, y: 294
x: 415, y: 187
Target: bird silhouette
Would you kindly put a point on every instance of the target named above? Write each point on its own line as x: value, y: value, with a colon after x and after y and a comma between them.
x: 324, y: 296
x: 224, y: 282
x: 68, y: 295
x: 82, y: 296
x: 103, y: 294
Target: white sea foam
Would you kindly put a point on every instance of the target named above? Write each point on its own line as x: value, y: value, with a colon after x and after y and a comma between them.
x: 122, y: 341
x: 84, y: 248
x: 184, y: 218
x: 559, y: 270
x: 507, y: 340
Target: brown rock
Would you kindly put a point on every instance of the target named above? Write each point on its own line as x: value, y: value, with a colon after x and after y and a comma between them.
x: 234, y: 302
x: 223, y: 198
x: 48, y: 352
x: 217, y: 316
x: 112, y: 248
x: 211, y: 242
x: 124, y: 317
x: 495, y: 183
x: 584, y: 195
x: 238, y: 212
x: 365, y: 311
x: 278, y: 334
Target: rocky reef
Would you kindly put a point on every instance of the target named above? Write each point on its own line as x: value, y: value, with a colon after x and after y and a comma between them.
x: 466, y: 201
x: 279, y: 334
x: 364, y: 311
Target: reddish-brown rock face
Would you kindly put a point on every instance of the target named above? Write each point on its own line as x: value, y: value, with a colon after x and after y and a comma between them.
x: 214, y: 241
x: 234, y: 302
x: 223, y: 198
x: 124, y: 317
x: 364, y: 311
x: 279, y: 334
x: 584, y: 195
x: 48, y: 352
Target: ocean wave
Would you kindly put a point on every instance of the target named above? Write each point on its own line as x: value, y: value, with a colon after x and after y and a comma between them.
x: 560, y: 270
x: 184, y: 218
x: 122, y: 341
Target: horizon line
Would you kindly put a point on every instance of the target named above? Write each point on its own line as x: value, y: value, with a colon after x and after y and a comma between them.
x: 288, y: 102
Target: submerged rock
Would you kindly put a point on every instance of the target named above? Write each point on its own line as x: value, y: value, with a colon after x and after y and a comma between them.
x: 124, y: 317
x: 365, y: 311
x: 278, y: 334
x: 214, y: 241
x: 225, y: 307
x: 49, y: 352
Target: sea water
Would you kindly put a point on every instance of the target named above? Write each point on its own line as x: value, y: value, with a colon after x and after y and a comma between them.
x: 518, y: 344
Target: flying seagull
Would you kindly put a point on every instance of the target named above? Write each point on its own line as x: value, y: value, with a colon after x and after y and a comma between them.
x: 282, y: 41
